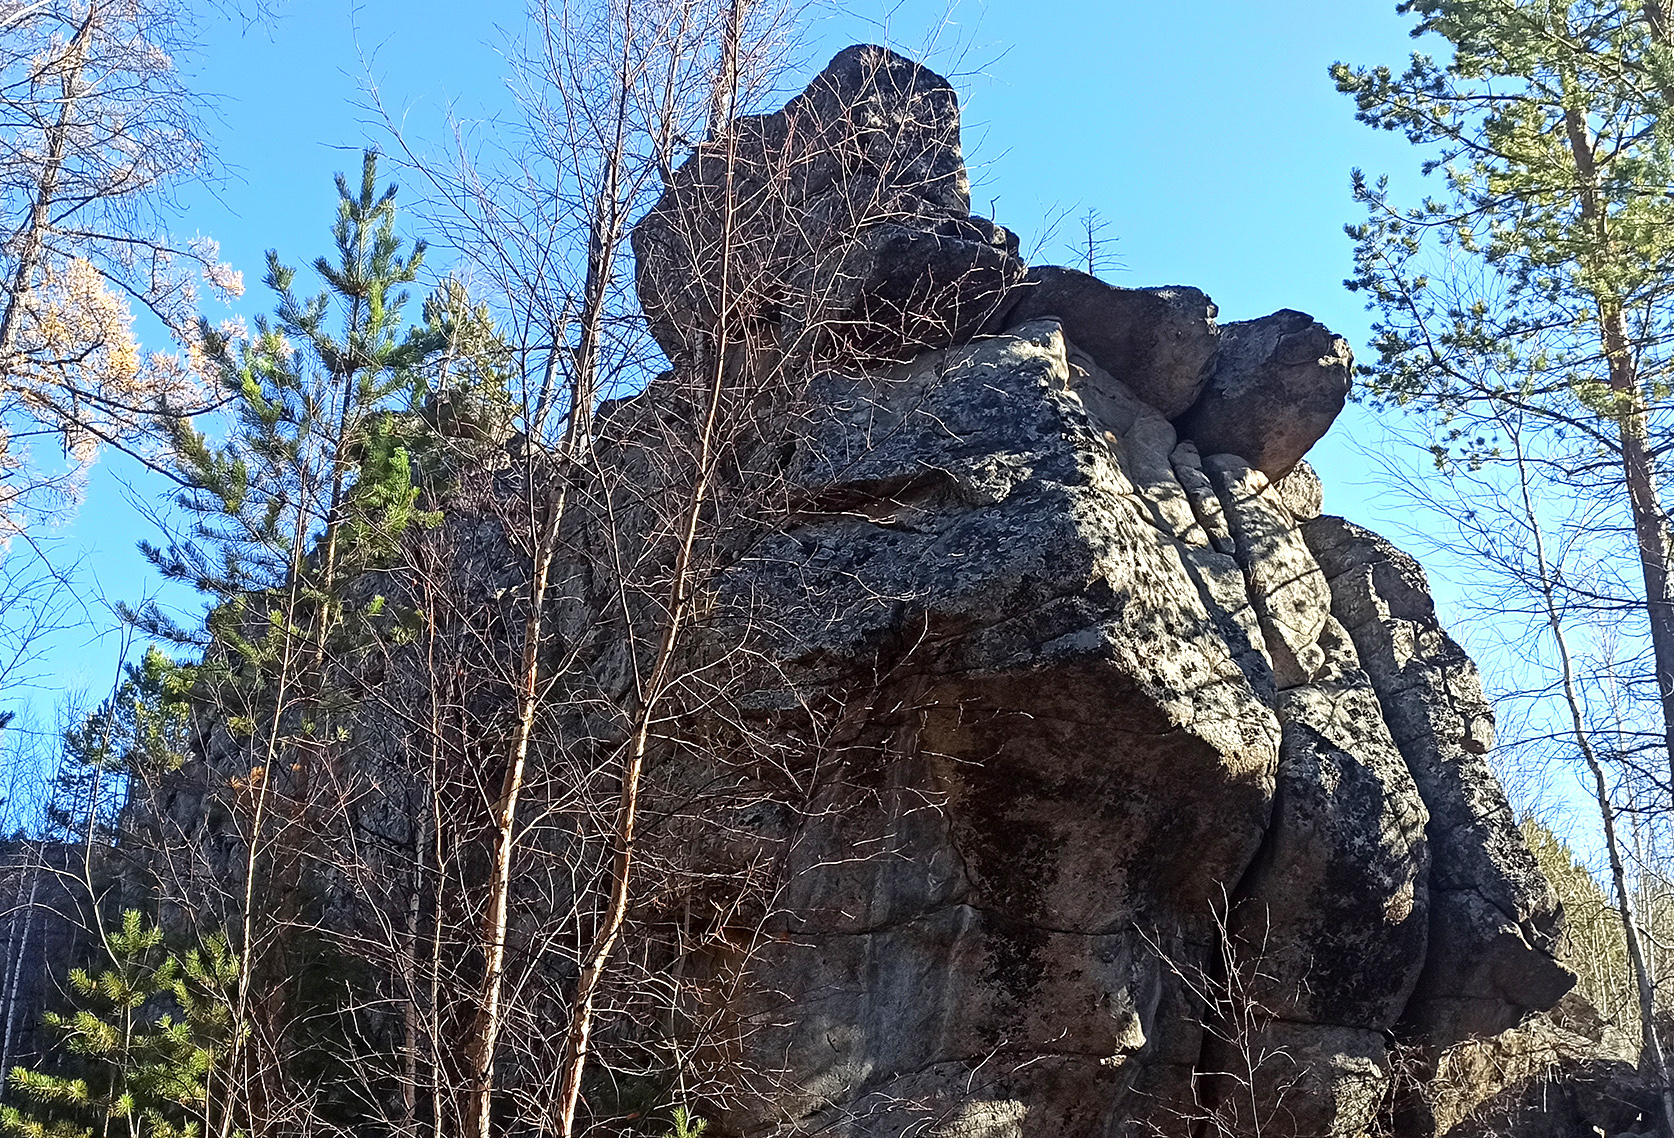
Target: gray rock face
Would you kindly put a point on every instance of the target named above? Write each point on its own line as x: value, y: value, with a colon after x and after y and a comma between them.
x: 1289, y: 591
x: 1159, y: 342
x: 1279, y: 383
x: 1046, y: 873
x: 1130, y: 795
x: 1559, y: 1073
x: 1134, y: 765
x: 851, y: 226
x: 1496, y: 923
x: 1301, y: 492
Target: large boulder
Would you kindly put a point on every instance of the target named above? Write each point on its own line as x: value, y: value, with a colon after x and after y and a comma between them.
x: 1558, y: 1074
x: 1159, y: 342
x: 1121, y: 804
x: 1302, y: 492
x: 1108, y: 789
x: 1077, y: 719
x: 1328, y: 938
x: 1278, y: 385
x: 843, y: 220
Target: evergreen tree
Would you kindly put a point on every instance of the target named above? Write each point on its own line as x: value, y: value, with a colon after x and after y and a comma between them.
x: 143, y: 731
x: 463, y: 395
x: 1526, y: 310
x: 315, y: 483
x: 145, y: 1044
x: 1532, y: 291
x: 686, y: 1124
x: 341, y: 411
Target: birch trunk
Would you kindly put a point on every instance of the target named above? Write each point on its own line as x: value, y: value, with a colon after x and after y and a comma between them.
x: 1643, y: 984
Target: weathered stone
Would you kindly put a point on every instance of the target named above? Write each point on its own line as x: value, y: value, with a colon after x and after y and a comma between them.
x: 1022, y: 906
x: 1009, y: 531
x: 1286, y: 585
x: 1336, y: 906
x: 1200, y: 492
x: 1160, y: 342
x: 1141, y: 440
x: 1301, y: 492
x: 1557, y: 1074
x: 1306, y: 1081
x: 895, y: 289
x: 850, y: 227
x: 1495, y: 921
x: 1104, y: 766
x: 1278, y: 385
x: 1331, y: 921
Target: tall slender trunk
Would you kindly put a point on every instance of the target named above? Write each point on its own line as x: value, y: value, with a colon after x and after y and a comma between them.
x: 485, y: 1035
x: 418, y: 1009
x: 46, y: 188
x: 9, y: 968
x: 334, y: 521
x: 14, y: 981
x: 1625, y: 909
x: 624, y: 830
x: 1650, y: 523
x: 409, y: 965
x: 261, y: 783
x: 604, y: 242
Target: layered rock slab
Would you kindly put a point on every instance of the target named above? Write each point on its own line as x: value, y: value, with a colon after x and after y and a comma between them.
x: 1143, y: 771
x: 1161, y: 343
x: 1496, y: 922
x: 1054, y: 766
x: 1089, y: 786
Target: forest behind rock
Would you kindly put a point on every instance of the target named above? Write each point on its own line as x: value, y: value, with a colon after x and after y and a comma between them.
x: 715, y: 638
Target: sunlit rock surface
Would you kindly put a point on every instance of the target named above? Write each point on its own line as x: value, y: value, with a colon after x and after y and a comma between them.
x: 1158, y: 796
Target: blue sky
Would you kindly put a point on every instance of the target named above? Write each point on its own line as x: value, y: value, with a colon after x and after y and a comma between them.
x: 1204, y: 132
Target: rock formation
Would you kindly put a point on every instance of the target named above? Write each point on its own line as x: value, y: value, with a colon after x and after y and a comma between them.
x: 1158, y: 798
x: 848, y: 213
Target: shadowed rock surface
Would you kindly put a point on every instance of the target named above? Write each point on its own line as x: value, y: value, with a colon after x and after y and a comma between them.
x: 1278, y: 385
x: 851, y: 222
x: 1491, y: 903
x: 1159, y: 342
x: 1148, y: 772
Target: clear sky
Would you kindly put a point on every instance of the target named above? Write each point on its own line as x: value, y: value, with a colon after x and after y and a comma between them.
x: 1204, y: 132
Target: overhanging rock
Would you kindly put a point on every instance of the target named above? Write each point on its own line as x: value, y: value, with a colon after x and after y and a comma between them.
x: 1145, y: 767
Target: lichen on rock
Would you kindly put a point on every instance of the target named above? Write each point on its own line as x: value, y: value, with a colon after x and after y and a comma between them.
x: 1163, y: 775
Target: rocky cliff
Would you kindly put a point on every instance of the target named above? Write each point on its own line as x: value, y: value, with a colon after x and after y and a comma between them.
x: 1156, y: 799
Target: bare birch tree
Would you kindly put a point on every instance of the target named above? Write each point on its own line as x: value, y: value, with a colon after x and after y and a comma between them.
x: 482, y: 853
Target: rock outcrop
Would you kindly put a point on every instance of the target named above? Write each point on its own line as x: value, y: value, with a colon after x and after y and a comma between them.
x: 846, y: 220
x: 1156, y: 799
x: 1278, y: 385
x: 1161, y: 341
x: 1491, y: 903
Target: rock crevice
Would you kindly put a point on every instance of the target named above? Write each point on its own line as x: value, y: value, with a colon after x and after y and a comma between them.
x: 1179, y: 770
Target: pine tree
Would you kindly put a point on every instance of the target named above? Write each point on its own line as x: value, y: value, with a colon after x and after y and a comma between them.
x: 1525, y: 309
x: 463, y: 395
x: 145, y: 1043
x: 686, y: 1124
x: 315, y: 484
x: 294, y: 519
x: 1534, y: 286
x: 142, y: 732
